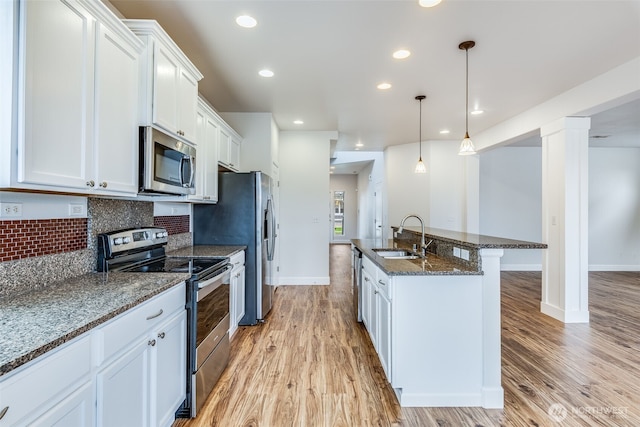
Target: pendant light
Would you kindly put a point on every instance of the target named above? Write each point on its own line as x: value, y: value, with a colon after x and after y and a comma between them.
x: 466, y: 147
x: 420, y: 167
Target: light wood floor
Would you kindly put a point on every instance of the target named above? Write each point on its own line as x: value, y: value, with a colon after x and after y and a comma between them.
x: 312, y: 364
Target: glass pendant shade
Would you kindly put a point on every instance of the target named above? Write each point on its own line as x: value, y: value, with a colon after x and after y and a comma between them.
x: 466, y: 146
x: 420, y: 167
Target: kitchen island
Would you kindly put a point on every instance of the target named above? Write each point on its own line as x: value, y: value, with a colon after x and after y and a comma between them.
x: 435, y: 321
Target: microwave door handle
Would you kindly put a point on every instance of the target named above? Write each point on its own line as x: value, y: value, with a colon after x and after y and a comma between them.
x: 192, y: 168
x: 191, y: 171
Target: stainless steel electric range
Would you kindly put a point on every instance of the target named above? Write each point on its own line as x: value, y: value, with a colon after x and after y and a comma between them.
x: 143, y: 250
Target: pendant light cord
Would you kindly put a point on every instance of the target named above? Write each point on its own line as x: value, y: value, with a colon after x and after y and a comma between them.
x: 420, y: 131
x: 466, y: 124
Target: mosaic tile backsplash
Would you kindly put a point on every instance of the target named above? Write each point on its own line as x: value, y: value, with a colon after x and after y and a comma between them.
x: 30, y: 238
x: 34, y: 253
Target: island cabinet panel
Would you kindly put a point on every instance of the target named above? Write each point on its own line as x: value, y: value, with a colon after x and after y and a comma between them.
x: 237, y: 291
x: 436, y: 339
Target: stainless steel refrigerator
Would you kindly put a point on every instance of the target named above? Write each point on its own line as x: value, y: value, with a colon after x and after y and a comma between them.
x: 244, y: 215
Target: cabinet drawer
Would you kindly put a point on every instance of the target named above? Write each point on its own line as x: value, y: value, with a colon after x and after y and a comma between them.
x: 237, y: 259
x: 130, y: 325
x: 369, y: 266
x: 383, y: 283
x: 40, y: 384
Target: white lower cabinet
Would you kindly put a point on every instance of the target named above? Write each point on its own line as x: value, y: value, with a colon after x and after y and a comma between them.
x: 236, y: 291
x: 376, y: 311
x: 142, y: 382
x: 130, y: 371
x: 76, y: 410
x: 54, y: 389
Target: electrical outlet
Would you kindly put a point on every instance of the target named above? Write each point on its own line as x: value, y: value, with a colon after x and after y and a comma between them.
x: 456, y: 252
x: 10, y: 210
x: 464, y: 254
x: 76, y: 209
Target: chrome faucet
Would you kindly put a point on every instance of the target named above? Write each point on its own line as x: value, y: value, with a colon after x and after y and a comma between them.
x: 423, y: 247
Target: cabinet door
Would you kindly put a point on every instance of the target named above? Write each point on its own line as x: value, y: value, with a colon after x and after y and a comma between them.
x: 123, y: 389
x: 210, y: 173
x: 55, y: 136
x: 116, y: 143
x: 187, y: 105
x: 224, y: 140
x: 234, y: 154
x: 366, y: 299
x: 76, y: 410
x: 384, y: 333
x: 168, y: 385
x: 240, y: 291
x: 165, y: 96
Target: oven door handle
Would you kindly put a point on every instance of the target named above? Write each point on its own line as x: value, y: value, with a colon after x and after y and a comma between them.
x: 208, y: 282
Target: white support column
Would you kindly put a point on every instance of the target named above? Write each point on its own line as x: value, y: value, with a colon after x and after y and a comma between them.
x: 492, y: 391
x: 565, y: 197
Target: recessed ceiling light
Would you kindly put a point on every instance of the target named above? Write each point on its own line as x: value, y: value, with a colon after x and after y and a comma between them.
x: 476, y: 112
x: 444, y: 131
x: 246, y: 21
x: 359, y: 144
x: 384, y: 86
x: 298, y: 122
x: 332, y: 167
x: 429, y: 3
x: 401, y: 54
x: 266, y: 73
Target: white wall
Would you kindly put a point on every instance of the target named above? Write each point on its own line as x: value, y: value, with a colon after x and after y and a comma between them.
x: 614, y: 209
x: 511, y: 202
x: 304, y: 185
x: 445, y: 197
x: 348, y: 184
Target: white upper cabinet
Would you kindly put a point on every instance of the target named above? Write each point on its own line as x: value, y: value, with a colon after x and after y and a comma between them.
x: 229, y: 147
x: 208, y: 130
x: 77, y: 79
x: 169, y: 95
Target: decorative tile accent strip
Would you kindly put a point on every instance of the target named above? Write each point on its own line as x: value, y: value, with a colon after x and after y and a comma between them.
x: 174, y: 224
x: 30, y: 238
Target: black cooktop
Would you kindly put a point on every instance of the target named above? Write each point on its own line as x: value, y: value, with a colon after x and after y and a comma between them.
x: 194, y: 266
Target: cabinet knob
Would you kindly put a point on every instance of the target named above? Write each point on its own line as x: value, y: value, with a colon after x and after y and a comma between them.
x: 103, y: 184
x: 152, y: 343
x: 91, y: 183
x: 161, y: 335
x: 375, y: 292
x: 3, y: 412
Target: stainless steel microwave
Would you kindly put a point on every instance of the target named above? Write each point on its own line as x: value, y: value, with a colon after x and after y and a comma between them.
x: 167, y: 164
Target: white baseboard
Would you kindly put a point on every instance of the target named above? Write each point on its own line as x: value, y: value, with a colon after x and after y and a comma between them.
x: 563, y: 315
x: 416, y: 400
x: 284, y: 281
x: 605, y: 267
x: 520, y: 267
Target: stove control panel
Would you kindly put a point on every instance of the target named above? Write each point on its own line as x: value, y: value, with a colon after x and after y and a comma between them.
x: 131, y: 239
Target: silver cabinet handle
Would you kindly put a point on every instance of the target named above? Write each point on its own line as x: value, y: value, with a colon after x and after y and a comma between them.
x: 152, y: 343
x: 382, y: 283
x: 366, y: 279
x: 91, y: 183
x: 375, y: 292
x: 103, y: 184
x: 153, y: 316
x: 3, y: 412
x: 161, y: 335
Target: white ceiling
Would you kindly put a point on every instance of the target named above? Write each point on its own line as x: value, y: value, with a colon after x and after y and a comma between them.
x: 329, y: 55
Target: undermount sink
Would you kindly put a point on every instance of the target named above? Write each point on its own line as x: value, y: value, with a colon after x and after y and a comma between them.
x: 396, y: 254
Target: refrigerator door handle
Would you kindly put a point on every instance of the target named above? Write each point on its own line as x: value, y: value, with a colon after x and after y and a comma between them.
x: 271, y: 233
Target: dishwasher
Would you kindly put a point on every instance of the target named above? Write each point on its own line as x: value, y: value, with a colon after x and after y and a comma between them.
x: 357, y: 282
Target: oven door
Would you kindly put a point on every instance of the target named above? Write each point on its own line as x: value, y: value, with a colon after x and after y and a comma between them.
x: 212, y: 315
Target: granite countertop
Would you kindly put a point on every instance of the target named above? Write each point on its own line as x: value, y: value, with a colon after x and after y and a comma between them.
x: 433, y: 265
x: 477, y: 241
x: 204, y: 251
x: 35, y: 322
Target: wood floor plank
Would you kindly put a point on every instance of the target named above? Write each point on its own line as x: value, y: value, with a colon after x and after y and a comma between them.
x: 311, y: 364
